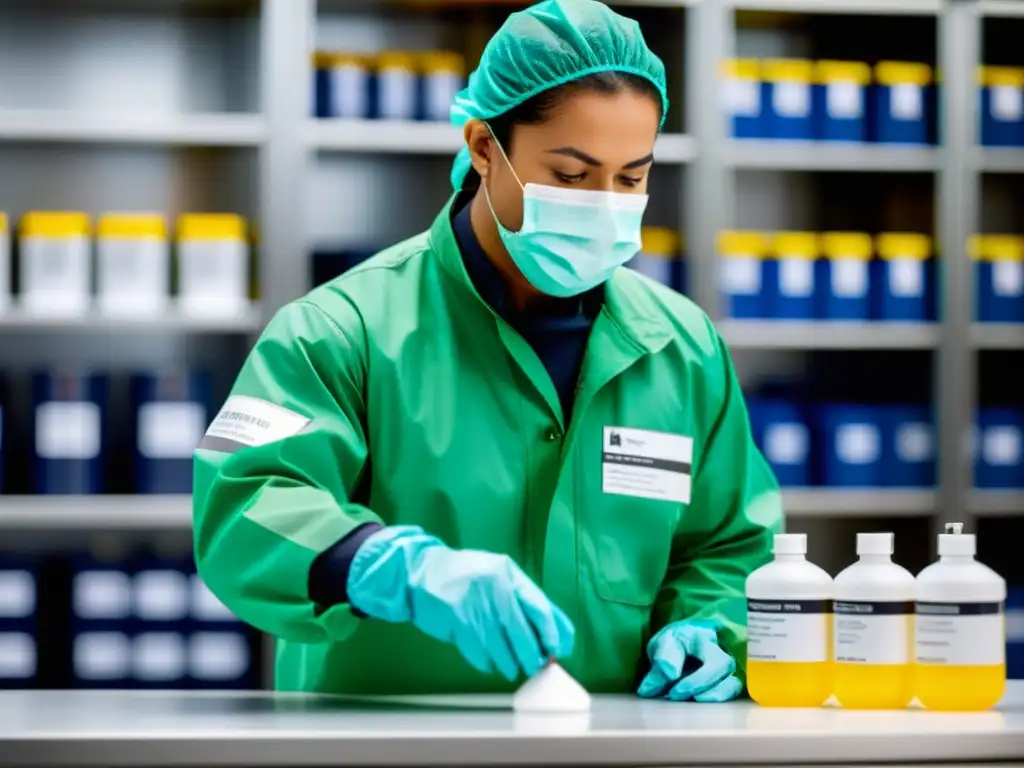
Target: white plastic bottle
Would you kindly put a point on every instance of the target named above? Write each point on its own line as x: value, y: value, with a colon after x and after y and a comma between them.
x: 789, y: 626
x: 874, y: 614
x: 960, y: 632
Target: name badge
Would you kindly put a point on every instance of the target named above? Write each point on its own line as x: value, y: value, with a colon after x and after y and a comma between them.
x: 646, y: 464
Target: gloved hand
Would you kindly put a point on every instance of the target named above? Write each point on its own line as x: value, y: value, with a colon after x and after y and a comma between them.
x: 687, y: 663
x: 482, y: 602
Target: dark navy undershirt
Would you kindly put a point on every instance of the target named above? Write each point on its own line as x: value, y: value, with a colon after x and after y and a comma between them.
x: 558, y: 334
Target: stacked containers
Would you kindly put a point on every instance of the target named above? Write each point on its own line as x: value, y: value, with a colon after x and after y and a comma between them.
x: 906, y: 276
x: 845, y: 285
x: 787, y: 93
x: 789, y: 275
x: 160, y: 606
x: 101, y: 624
x: 342, y: 84
x: 908, y: 451
x: 443, y: 76
x: 55, y: 263
x: 69, y: 441
x: 852, y: 438
x: 18, y: 655
x: 172, y: 412
x: 780, y: 429
x: 395, y: 86
x: 658, y: 256
x: 901, y: 111
x: 1002, y: 106
x: 213, y: 264
x: 999, y: 459
x: 742, y: 273
x: 742, y: 97
x: 219, y: 650
x: 839, y: 100
x: 999, y: 278
x: 133, y: 264
x: 5, y: 263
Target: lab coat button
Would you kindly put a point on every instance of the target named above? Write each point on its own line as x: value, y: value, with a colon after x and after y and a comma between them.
x: 551, y: 434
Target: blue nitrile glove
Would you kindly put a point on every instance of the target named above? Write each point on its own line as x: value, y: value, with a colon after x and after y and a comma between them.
x: 687, y: 663
x: 482, y: 602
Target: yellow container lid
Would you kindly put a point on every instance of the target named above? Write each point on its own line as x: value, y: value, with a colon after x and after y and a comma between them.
x: 742, y: 243
x: 903, y: 73
x: 131, y: 226
x: 443, y: 62
x: 789, y: 70
x: 396, y: 60
x: 660, y: 242
x: 1001, y: 76
x: 904, y: 245
x: 795, y: 245
x: 829, y: 71
x: 4, y: 224
x: 997, y: 248
x: 211, y: 226
x: 847, y: 245
x: 55, y: 224
x: 741, y: 69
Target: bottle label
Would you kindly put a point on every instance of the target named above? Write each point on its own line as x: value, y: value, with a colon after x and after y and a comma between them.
x: 873, y: 633
x: 960, y: 634
x: 788, y: 630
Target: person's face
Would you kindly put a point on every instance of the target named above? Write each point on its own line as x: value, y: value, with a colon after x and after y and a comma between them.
x: 591, y: 141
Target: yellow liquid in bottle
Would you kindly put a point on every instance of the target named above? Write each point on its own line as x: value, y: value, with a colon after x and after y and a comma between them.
x: 961, y: 689
x: 789, y: 684
x: 874, y: 686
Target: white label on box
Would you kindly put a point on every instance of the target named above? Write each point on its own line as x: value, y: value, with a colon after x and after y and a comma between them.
x: 788, y: 630
x: 349, y: 96
x: 741, y: 276
x: 159, y: 657
x: 844, y: 101
x: 133, y: 274
x: 440, y: 90
x: 1008, y: 278
x: 5, y: 270
x: 796, y: 277
x: 170, y: 430
x: 55, y: 276
x: 906, y: 101
x: 741, y: 98
x: 218, y: 656
x: 791, y: 99
x: 786, y: 443
x: 1007, y: 103
x: 17, y: 594
x: 102, y: 656
x: 1001, y: 446
x: 213, y: 276
x: 873, y: 633
x: 17, y: 656
x: 161, y: 595
x: 914, y: 443
x: 102, y: 595
x: 205, y: 605
x: 906, y: 278
x: 397, y: 91
x: 849, y: 278
x: 960, y: 634
x: 68, y: 430
x: 857, y: 443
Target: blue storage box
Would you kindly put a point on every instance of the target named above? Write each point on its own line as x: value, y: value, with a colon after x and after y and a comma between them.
x: 845, y: 276
x: 781, y: 431
x: 395, y: 86
x: 908, y: 454
x: 69, y: 433
x: 788, y: 86
x: 444, y: 74
x: 853, y: 446
x: 172, y: 411
x: 222, y: 660
x: 18, y: 610
x: 904, y: 277
x: 743, y: 98
x: 902, y: 102
x: 343, y: 85
x: 999, y: 278
x: 1002, y: 106
x: 161, y: 608
x: 840, y: 100
x: 1015, y: 633
x: 658, y: 256
x: 790, y: 279
x: 1000, y: 455
x: 101, y: 624
x: 741, y: 274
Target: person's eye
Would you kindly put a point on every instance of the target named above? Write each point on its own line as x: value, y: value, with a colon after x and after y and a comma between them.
x: 629, y: 181
x: 569, y: 178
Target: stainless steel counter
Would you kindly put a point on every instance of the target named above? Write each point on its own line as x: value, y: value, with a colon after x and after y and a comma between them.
x: 61, y: 728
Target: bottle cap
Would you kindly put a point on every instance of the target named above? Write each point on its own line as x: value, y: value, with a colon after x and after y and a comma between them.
x: 790, y: 544
x: 874, y: 544
x: 955, y: 542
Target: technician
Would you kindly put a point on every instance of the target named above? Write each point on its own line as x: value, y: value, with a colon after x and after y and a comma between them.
x: 490, y: 444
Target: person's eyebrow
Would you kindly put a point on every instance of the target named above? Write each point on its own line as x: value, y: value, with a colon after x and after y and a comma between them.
x: 583, y: 157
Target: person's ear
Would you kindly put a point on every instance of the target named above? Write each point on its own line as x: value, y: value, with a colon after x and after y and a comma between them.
x: 478, y: 139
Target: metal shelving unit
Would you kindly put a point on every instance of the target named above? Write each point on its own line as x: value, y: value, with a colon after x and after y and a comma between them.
x: 810, y: 336
x: 818, y: 156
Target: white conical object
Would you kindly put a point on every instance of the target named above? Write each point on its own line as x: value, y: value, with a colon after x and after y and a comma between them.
x: 550, y: 691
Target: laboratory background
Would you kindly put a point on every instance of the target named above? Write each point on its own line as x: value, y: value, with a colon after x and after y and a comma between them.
x: 839, y: 185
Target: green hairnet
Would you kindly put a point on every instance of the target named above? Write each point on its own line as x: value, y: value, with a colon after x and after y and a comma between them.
x: 547, y: 45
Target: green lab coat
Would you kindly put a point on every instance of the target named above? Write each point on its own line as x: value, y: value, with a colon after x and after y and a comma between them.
x: 408, y: 401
